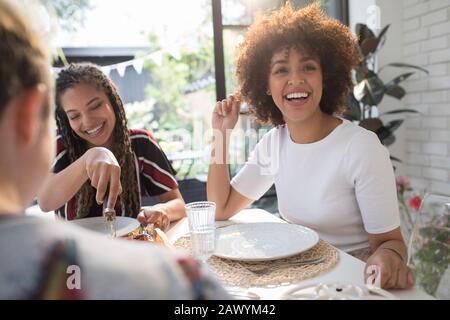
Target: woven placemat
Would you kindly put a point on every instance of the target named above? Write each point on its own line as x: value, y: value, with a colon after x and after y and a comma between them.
x: 237, y: 273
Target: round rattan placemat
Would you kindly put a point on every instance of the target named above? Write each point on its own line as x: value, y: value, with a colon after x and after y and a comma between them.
x: 237, y: 273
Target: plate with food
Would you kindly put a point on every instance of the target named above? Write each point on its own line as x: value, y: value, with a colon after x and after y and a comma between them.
x: 263, y: 241
x: 124, y: 225
x: 149, y: 233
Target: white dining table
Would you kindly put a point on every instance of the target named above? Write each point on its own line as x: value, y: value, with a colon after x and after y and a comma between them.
x: 347, y: 271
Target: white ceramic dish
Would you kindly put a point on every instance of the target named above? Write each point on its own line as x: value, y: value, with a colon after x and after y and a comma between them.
x: 124, y: 225
x: 263, y: 241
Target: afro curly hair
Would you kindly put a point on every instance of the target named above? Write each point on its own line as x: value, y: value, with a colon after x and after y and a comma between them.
x: 309, y: 30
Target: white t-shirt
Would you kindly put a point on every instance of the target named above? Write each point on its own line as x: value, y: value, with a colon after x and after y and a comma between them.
x: 342, y: 186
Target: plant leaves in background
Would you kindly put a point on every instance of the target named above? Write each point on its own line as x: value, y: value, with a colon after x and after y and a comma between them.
x: 372, y: 124
x: 376, y: 125
x: 395, y: 159
x: 381, y: 39
x: 403, y: 65
x: 363, y: 32
x: 353, y: 111
x: 369, y: 90
x: 399, y: 111
x: 385, y: 135
x: 390, y: 139
x: 399, y: 79
x: 368, y: 46
x: 375, y: 91
x: 394, y: 124
x: 362, y: 73
x: 396, y: 92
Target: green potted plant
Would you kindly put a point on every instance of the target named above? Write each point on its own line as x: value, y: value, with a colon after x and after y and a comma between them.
x: 370, y: 89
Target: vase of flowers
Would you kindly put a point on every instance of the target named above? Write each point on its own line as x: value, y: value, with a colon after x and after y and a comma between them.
x: 409, y: 205
x: 429, y: 246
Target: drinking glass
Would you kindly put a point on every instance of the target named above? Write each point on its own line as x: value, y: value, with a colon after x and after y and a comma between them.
x: 201, y: 219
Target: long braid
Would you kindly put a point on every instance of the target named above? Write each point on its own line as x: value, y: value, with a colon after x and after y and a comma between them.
x: 124, y: 154
x: 90, y: 74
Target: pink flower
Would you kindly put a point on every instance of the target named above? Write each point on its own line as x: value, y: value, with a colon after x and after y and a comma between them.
x: 415, y: 202
x: 402, y: 183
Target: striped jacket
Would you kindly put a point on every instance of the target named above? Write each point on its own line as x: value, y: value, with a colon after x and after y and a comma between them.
x: 155, y: 174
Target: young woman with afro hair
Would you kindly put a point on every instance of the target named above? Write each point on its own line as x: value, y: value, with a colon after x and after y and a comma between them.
x: 294, y: 70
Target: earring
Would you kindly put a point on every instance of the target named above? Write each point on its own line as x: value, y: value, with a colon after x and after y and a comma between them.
x: 268, y: 92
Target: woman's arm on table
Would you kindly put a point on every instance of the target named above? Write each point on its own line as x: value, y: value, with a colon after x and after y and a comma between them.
x: 389, y: 257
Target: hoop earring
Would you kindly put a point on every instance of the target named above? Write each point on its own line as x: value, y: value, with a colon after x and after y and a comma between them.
x: 268, y: 92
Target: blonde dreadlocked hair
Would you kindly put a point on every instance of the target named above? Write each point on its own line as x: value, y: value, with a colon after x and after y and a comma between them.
x: 87, y: 73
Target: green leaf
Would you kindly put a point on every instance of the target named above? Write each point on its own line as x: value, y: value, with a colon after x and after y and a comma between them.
x: 395, y: 159
x: 385, y: 135
x: 353, y: 111
x: 400, y: 111
x: 381, y: 38
x: 394, y: 125
x: 376, y: 90
x: 362, y: 72
x: 403, y: 65
x: 390, y: 139
x: 372, y: 124
x: 399, y: 79
x: 368, y: 46
x: 396, y: 92
x: 363, y: 32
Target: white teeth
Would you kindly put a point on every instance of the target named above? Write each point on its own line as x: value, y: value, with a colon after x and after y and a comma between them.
x: 297, y: 95
x: 95, y: 130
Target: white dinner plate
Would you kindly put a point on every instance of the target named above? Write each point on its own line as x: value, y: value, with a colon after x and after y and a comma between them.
x: 263, y: 241
x: 124, y: 225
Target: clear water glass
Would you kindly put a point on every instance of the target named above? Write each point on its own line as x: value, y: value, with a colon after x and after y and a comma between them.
x: 201, y: 219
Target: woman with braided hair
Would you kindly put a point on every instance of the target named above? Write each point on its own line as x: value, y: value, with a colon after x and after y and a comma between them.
x: 97, y: 155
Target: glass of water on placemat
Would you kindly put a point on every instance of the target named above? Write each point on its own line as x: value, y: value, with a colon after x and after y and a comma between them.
x: 201, y: 218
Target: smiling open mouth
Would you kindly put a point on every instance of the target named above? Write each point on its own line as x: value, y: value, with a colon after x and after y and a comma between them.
x: 296, y: 96
x: 95, y: 131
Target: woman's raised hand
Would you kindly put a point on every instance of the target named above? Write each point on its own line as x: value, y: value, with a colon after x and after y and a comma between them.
x: 226, y: 114
x: 104, y: 171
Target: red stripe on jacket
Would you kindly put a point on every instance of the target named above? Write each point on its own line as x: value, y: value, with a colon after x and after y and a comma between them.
x: 143, y: 132
x: 159, y: 176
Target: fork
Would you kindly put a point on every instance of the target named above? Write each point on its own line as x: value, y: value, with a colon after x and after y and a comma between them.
x: 110, y: 215
x: 263, y: 270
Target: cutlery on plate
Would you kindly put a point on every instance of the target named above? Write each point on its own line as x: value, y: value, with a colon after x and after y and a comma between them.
x: 258, y: 270
x: 110, y: 215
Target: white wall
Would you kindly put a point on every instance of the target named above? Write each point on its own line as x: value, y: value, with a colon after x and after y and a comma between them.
x: 426, y: 42
x: 390, y: 11
x: 420, y: 35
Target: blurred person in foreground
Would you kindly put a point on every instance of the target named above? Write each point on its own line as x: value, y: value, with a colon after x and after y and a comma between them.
x: 43, y: 259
